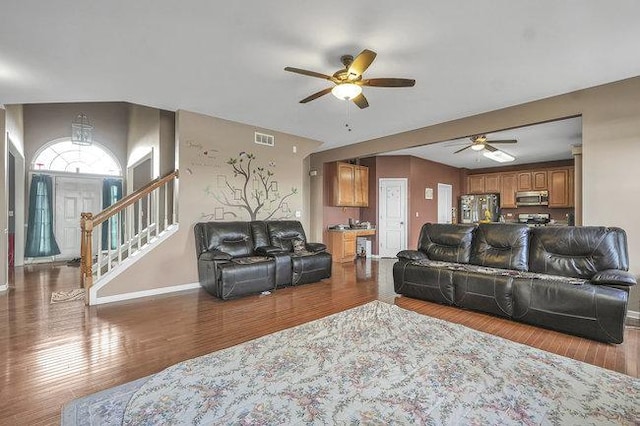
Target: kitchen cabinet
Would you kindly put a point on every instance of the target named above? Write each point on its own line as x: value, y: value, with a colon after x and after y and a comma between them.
x: 342, y: 243
x: 532, y: 180
x: 508, y: 188
x: 558, y: 181
x: 539, y: 180
x: 475, y: 183
x: 525, y: 182
x: 559, y: 192
x: 348, y: 185
x: 492, y: 183
x: 484, y: 183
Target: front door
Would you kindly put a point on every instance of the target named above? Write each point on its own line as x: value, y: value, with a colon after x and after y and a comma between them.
x: 392, y: 225
x: 74, y: 195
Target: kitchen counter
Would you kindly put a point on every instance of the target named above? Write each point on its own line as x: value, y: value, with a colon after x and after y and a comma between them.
x: 342, y: 242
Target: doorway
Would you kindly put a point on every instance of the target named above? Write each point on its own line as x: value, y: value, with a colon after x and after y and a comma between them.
x: 445, y: 203
x: 74, y: 195
x: 392, y: 223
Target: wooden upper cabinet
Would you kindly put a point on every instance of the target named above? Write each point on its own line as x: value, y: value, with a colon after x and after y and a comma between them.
x: 539, y: 180
x: 345, y: 194
x: 525, y: 182
x: 475, y: 183
x: 492, y: 183
x: 508, y: 188
x: 350, y: 185
x: 559, y: 188
x: 361, y: 184
x: 559, y: 183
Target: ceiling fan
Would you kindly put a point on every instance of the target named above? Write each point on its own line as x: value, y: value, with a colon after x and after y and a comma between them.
x: 348, y: 81
x: 480, y: 142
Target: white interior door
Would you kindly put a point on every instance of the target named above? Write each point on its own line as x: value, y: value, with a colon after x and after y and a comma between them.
x: 73, y: 196
x: 392, y: 223
x: 445, y: 203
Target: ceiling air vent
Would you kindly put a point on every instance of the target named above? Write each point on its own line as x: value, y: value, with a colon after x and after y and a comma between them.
x: 264, y: 139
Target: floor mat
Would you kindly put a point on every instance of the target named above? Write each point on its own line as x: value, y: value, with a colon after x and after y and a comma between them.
x: 67, y: 295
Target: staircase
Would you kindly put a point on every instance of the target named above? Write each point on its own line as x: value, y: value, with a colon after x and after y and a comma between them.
x: 134, y: 224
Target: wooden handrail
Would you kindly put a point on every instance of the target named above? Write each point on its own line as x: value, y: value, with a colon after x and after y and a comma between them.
x: 132, y: 198
x: 88, y: 222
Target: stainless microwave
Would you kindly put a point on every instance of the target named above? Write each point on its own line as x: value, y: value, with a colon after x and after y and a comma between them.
x: 532, y: 198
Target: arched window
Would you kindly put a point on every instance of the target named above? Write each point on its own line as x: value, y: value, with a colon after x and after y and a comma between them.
x: 65, y: 156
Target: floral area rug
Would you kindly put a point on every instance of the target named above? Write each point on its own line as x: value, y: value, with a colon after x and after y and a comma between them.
x: 377, y: 364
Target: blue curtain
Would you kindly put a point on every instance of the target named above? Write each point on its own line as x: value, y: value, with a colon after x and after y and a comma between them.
x: 111, y: 192
x: 40, y: 239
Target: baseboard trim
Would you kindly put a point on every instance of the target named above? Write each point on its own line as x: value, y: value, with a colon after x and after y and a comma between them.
x: 4, y: 287
x: 633, y: 315
x: 145, y: 293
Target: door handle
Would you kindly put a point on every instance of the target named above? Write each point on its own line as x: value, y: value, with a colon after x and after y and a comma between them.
x: 401, y: 223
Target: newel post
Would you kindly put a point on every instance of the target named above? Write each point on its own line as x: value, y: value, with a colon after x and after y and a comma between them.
x: 86, y: 262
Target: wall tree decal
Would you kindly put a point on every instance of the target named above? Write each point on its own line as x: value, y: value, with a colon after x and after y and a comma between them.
x: 252, y: 188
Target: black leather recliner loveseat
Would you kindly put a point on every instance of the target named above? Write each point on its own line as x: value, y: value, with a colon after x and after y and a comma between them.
x: 571, y: 279
x: 241, y: 258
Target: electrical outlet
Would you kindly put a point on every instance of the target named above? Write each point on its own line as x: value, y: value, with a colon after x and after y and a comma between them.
x: 417, y: 214
x: 298, y: 213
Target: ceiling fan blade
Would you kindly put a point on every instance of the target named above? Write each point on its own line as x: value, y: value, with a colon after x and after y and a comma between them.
x: 309, y: 73
x: 388, y: 82
x: 460, y: 150
x: 316, y: 95
x: 490, y: 148
x: 361, y: 63
x: 505, y: 141
x: 361, y: 101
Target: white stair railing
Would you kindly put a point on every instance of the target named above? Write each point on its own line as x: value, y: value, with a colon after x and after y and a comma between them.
x: 132, y: 224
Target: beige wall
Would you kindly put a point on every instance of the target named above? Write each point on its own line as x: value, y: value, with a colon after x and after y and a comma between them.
x: 205, y: 145
x: 46, y: 122
x: 3, y: 201
x: 611, y: 139
x: 15, y: 144
x: 143, y: 136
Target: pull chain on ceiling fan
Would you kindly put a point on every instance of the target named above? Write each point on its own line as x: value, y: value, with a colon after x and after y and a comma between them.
x: 348, y: 82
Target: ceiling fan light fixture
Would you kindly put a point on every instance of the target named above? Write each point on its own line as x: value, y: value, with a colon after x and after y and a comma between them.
x: 477, y: 146
x: 346, y: 91
x: 499, y: 156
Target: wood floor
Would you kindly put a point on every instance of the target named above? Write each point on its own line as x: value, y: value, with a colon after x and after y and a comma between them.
x: 53, y: 353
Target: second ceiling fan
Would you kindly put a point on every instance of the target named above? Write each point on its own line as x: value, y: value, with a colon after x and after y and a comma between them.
x: 480, y: 142
x: 348, y: 81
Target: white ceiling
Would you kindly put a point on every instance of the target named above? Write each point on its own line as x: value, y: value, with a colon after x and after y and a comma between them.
x: 226, y: 59
x: 541, y: 142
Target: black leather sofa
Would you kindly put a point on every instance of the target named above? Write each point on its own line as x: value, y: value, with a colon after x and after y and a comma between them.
x: 570, y: 279
x: 241, y: 258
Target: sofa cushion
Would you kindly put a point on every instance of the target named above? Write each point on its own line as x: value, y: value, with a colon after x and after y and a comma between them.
x: 447, y: 243
x: 282, y: 233
x: 576, y: 251
x: 501, y: 246
x: 234, y: 238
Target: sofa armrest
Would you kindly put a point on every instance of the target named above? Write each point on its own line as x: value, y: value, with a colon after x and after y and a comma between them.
x: 614, y: 277
x: 316, y: 247
x: 215, y: 255
x: 412, y: 255
x: 269, y: 250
